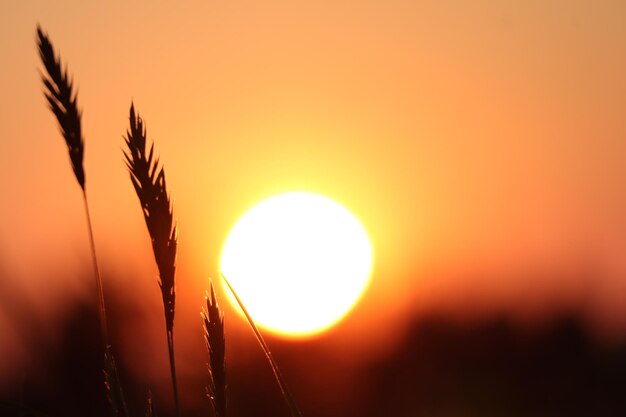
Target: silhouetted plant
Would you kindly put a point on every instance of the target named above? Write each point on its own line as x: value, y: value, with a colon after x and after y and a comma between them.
x: 148, y: 178
x: 63, y: 103
x: 213, y: 319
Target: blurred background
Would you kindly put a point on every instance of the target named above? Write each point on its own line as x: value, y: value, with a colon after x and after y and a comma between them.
x: 481, y: 144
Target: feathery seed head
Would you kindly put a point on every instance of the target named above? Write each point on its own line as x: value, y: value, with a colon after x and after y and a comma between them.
x: 216, y: 345
x: 62, y: 101
x: 148, y: 179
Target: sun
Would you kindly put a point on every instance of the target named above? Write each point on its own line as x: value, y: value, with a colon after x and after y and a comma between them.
x: 298, y: 261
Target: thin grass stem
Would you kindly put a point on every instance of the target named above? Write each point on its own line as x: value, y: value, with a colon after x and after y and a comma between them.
x: 170, y: 346
x: 96, y: 271
x: 291, y: 403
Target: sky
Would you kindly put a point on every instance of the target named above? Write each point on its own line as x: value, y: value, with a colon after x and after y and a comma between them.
x: 481, y: 144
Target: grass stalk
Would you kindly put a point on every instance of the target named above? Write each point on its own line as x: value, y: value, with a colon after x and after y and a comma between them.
x: 213, y: 319
x: 291, y: 403
x: 115, y: 393
x: 148, y: 179
x: 170, y: 348
x: 62, y: 101
x: 96, y: 271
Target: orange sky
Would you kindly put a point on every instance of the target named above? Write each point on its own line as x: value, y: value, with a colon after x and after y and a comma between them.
x: 481, y: 143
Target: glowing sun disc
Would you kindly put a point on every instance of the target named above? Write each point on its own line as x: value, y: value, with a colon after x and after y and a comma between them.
x: 298, y: 261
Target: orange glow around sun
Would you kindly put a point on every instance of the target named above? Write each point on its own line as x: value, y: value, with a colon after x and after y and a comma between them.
x: 298, y: 261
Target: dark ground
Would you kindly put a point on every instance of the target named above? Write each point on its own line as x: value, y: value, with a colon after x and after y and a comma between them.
x: 442, y: 369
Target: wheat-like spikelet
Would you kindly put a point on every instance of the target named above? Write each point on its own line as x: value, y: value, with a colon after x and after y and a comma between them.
x: 149, y: 182
x: 63, y: 103
x: 148, y: 178
x: 216, y: 345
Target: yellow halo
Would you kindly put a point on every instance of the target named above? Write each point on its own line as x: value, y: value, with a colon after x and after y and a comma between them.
x: 298, y: 261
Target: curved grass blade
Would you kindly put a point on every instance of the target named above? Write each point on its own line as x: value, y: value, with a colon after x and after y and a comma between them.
x: 291, y: 403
